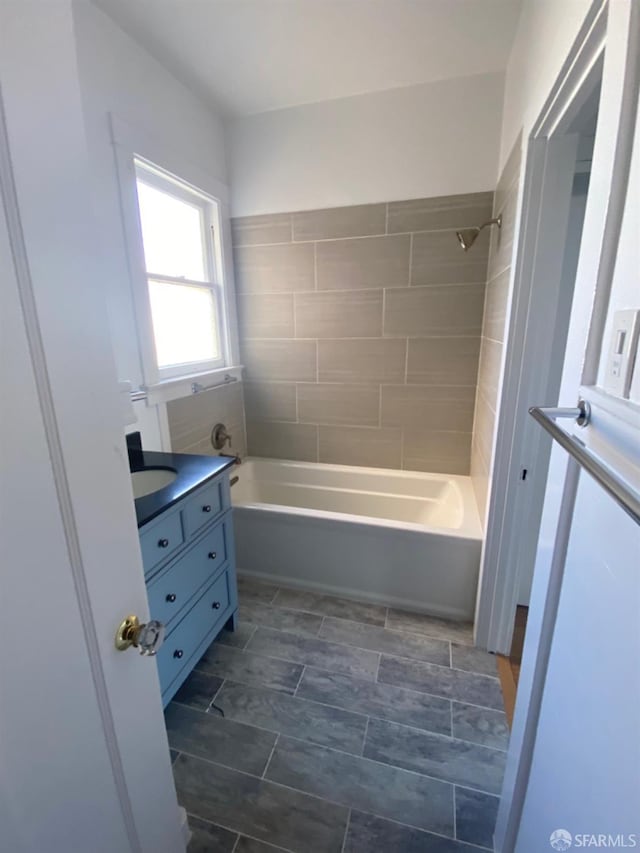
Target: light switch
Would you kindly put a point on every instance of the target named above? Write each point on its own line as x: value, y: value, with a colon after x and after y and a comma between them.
x: 622, y: 352
x: 634, y: 390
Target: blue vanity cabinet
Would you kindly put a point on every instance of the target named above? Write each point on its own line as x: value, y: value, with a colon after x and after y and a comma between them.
x: 189, y: 561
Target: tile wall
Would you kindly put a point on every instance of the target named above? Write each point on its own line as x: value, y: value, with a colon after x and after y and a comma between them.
x: 494, y: 328
x: 192, y: 418
x: 360, y: 332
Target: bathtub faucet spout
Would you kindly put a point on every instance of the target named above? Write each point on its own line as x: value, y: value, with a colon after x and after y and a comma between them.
x: 235, y: 456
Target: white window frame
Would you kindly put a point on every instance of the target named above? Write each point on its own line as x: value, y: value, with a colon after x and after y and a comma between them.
x: 134, y: 147
x: 209, y: 208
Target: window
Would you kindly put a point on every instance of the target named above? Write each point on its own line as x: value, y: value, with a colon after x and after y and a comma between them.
x: 179, y: 228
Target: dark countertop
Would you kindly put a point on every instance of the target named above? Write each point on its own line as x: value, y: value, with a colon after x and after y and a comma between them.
x: 192, y: 470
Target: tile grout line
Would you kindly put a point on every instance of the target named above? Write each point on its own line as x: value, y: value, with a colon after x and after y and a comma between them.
x: 404, y: 657
x: 295, y: 692
x: 364, y: 737
x: 346, y: 831
x: 213, y: 698
x: 295, y: 334
x: 362, y: 713
x: 410, y: 258
x: 239, y: 833
x: 406, y: 360
x: 336, y: 802
x: 397, y: 655
x: 353, y: 713
x: 455, y: 822
x: 273, y: 749
x: 315, y: 265
x: 249, y: 638
x: 275, y: 595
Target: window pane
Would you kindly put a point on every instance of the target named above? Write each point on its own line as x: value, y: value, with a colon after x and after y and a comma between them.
x: 171, y: 233
x: 184, y: 323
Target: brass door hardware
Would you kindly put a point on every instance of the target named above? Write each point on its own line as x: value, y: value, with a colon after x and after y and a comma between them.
x: 146, y: 636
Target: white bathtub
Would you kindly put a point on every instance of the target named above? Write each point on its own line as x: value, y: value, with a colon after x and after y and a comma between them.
x: 401, y: 538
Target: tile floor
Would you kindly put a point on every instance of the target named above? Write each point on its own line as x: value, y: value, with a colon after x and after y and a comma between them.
x: 348, y: 728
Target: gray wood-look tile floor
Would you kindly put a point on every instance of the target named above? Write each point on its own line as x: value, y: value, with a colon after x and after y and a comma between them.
x: 348, y: 728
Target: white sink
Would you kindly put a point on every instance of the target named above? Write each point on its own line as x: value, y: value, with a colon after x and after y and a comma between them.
x: 151, y: 480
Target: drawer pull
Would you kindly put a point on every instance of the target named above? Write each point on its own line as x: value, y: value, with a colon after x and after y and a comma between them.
x: 163, y: 543
x: 178, y: 653
x: 171, y: 597
x: 216, y: 605
x: 213, y: 555
x: 206, y: 508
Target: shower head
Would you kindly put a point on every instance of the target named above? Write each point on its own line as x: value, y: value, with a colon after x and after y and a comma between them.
x: 468, y: 236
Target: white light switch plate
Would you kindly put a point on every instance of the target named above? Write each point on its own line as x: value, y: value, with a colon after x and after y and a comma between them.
x: 634, y: 389
x: 622, y: 352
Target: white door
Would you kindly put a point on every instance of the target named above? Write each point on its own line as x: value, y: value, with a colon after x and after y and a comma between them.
x: 84, y: 761
x: 574, y: 756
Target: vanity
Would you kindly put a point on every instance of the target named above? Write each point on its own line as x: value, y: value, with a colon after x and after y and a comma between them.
x: 186, y: 538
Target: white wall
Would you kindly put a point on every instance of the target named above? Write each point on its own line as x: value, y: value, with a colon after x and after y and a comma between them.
x: 429, y: 140
x: 546, y: 31
x: 117, y: 75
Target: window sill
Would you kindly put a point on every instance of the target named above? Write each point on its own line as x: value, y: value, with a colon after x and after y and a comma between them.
x: 182, y: 386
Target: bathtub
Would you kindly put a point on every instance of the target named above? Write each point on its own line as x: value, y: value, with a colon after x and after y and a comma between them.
x: 400, y: 538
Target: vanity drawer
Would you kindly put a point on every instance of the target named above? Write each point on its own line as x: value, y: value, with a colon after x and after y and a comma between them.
x: 158, y: 543
x: 181, y: 644
x: 170, y: 591
x: 202, y: 508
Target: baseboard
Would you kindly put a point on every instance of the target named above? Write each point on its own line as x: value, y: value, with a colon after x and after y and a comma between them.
x: 356, y: 594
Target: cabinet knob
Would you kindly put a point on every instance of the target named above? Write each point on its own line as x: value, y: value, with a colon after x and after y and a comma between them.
x: 178, y: 653
x: 163, y: 543
x: 213, y: 555
x: 171, y: 597
x: 206, y: 508
x: 216, y: 605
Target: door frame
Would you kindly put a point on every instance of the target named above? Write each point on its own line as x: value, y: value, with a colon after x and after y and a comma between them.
x: 532, y: 367
x: 614, y: 28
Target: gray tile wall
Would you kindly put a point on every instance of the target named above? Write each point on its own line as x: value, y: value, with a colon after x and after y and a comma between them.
x: 360, y: 332
x: 494, y: 329
x: 192, y: 418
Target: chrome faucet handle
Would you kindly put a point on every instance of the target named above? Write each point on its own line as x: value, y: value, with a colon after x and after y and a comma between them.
x: 219, y: 437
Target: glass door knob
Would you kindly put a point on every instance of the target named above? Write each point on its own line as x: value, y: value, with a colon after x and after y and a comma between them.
x: 147, y: 637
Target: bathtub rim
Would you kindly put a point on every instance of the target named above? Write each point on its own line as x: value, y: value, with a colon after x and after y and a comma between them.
x: 470, y: 528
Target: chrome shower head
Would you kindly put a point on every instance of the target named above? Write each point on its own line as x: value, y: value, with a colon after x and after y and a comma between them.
x: 468, y: 236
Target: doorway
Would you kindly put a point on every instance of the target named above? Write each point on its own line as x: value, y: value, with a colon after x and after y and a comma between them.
x: 556, y: 189
x: 584, y: 128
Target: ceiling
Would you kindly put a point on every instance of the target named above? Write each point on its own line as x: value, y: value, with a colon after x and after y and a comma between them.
x: 249, y: 56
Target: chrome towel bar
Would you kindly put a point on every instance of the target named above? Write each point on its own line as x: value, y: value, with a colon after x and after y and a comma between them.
x: 619, y: 490
x: 197, y: 388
